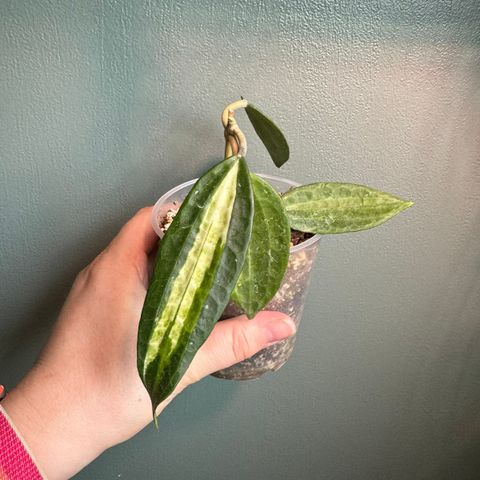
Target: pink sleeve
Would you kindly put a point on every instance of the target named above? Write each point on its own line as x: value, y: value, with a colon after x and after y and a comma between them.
x: 16, y: 463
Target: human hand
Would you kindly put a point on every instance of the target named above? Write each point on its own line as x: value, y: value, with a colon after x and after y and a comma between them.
x: 84, y: 394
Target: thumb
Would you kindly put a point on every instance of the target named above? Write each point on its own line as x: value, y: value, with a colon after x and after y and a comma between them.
x: 236, y: 339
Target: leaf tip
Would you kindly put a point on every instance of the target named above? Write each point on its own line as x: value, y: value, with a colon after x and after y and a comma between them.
x: 406, y: 204
x: 155, y: 418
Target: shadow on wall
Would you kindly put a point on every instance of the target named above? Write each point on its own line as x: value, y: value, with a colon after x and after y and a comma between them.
x: 464, y: 461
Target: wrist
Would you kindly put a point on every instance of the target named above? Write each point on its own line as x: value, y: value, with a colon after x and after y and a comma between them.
x: 57, y: 431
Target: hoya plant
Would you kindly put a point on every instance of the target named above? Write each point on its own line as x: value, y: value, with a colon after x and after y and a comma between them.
x: 230, y: 241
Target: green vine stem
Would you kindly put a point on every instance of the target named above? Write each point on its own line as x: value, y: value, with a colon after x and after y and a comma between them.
x: 235, y: 141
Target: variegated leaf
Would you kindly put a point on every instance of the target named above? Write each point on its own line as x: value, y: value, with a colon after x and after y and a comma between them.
x: 197, y: 265
x: 339, y: 207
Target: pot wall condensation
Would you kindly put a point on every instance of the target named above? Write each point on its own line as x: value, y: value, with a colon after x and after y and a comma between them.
x: 105, y: 105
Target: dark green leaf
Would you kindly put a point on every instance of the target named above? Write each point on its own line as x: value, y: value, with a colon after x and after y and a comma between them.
x: 270, y: 135
x: 268, y: 250
x: 197, y: 266
x: 339, y: 207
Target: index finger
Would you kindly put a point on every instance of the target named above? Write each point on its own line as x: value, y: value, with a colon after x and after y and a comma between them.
x: 137, y: 235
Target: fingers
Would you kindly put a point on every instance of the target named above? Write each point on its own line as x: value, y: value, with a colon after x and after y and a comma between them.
x: 237, y: 339
x: 137, y: 235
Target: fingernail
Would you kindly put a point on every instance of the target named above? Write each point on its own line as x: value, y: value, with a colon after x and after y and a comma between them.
x: 280, y: 328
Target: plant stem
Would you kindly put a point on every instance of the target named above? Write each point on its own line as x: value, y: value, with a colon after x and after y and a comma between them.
x: 231, y: 147
x: 235, y: 141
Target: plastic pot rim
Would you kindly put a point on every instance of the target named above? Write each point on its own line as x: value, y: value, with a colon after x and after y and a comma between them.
x: 171, y: 192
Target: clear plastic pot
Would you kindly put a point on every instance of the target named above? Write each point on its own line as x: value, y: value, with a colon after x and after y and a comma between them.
x: 289, y: 299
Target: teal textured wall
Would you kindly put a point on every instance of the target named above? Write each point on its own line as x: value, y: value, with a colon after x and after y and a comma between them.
x: 104, y: 105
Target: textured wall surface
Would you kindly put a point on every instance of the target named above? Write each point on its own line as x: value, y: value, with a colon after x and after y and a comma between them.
x: 104, y: 105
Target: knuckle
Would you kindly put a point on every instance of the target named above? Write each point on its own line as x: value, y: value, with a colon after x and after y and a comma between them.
x: 94, y: 271
x: 190, y: 377
x: 242, y: 344
x: 144, y: 211
x: 82, y: 275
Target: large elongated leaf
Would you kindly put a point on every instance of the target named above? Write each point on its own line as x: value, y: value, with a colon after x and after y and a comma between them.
x: 270, y: 135
x: 268, y: 250
x: 339, y: 207
x: 197, y: 266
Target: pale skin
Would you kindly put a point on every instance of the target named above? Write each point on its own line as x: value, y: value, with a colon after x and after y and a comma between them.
x: 84, y: 394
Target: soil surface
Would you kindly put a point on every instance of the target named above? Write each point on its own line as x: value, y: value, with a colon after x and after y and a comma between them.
x: 299, y: 237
